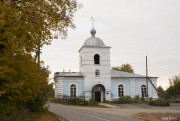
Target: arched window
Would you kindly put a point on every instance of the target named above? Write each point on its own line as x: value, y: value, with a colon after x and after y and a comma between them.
x: 97, y: 73
x: 96, y: 59
x: 73, y: 91
x: 120, y: 90
x: 143, y: 91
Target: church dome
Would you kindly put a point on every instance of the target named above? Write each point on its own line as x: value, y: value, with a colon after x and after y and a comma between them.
x: 93, y: 41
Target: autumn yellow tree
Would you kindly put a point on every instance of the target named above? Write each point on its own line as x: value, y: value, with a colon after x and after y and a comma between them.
x: 25, y: 25
x: 22, y: 80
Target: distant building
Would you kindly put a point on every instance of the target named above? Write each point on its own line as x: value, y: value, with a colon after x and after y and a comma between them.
x: 96, y: 79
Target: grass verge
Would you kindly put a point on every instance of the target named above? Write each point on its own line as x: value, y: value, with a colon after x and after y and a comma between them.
x: 47, y: 116
x: 157, y: 116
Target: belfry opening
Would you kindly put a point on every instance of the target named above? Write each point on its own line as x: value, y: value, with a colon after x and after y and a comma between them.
x: 96, y: 59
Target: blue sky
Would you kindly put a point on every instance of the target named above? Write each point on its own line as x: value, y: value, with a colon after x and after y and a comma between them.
x: 133, y: 29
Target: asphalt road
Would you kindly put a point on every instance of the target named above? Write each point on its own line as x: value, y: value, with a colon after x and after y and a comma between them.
x: 72, y: 113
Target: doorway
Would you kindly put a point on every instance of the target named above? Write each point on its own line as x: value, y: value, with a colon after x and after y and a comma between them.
x: 98, y: 96
x: 98, y: 93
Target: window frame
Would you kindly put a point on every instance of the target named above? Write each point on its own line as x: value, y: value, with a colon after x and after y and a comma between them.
x: 120, y: 90
x: 143, y: 91
x: 73, y: 90
x: 97, y: 73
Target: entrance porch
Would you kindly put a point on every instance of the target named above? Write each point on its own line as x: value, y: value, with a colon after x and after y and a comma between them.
x: 98, y: 93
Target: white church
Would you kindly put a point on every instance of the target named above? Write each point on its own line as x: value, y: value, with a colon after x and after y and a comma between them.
x: 96, y: 79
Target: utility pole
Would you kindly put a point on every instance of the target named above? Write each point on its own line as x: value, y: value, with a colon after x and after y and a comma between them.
x: 147, y: 80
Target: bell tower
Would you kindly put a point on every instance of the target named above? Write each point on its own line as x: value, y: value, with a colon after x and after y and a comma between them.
x: 95, y: 66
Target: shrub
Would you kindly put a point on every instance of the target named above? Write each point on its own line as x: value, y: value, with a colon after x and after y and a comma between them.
x: 37, y: 103
x: 159, y: 102
x: 6, y: 110
x: 143, y: 99
x: 92, y: 102
x: 125, y: 99
x: 136, y: 99
x: 172, y: 100
x: 9, y: 111
x: 77, y: 101
x: 80, y: 101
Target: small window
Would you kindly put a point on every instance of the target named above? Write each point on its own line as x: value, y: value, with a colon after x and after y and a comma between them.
x: 96, y: 59
x: 73, y: 91
x: 143, y: 91
x: 120, y: 90
x: 97, y: 73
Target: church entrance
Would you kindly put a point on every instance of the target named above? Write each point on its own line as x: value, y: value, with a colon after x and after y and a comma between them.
x: 98, y: 93
x: 98, y: 96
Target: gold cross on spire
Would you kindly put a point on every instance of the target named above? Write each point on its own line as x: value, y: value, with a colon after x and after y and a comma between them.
x: 92, y: 20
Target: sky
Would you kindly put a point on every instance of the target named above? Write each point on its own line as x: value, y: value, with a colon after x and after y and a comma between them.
x: 133, y: 28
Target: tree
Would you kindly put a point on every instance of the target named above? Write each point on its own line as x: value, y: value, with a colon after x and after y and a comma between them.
x: 24, y: 26
x: 23, y: 79
x: 174, y: 87
x: 124, y: 67
x: 161, y: 91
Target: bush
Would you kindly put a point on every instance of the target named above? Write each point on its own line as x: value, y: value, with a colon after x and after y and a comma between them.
x: 77, y: 101
x: 159, y: 102
x: 125, y: 99
x: 71, y: 101
x: 11, y: 112
x: 122, y: 100
x: 6, y: 110
x: 137, y: 99
x: 172, y: 100
x: 92, y: 102
x: 38, y: 102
